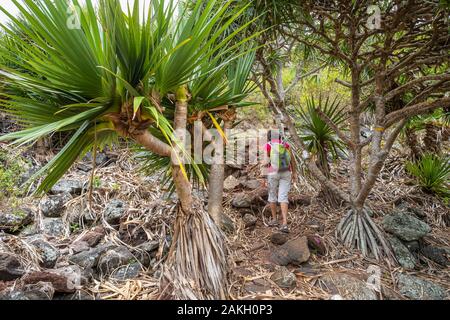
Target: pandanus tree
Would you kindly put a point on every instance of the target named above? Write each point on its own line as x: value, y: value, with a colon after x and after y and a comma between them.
x: 319, y: 137
x: 102, y: 73
x: 384, y: 48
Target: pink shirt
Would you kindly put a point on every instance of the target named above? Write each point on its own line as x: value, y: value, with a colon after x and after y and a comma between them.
x: 268, y: 147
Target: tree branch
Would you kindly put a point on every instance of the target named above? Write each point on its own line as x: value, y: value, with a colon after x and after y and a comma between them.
x: 414, y: 110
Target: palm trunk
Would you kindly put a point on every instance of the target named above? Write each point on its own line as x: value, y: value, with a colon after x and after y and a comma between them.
x: 413, y: 143
x: 322, y: 163
x: 431, y: 140
x: 197, y: 264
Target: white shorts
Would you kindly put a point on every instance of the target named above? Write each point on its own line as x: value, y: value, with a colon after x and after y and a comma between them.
x: 279, y: 186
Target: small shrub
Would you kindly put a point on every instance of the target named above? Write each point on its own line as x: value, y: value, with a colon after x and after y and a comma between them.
x: 432, y: 174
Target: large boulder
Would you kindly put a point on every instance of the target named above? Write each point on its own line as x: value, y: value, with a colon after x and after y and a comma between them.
x: 114, y: 211
x: 53, y: 227
x: 348, y: 287
x: 420, y: 289
x: 53, y: 206
x: 48, y: 253
x: 13, y: 220
x: 73, y: 187
x: 405, y: 226
x: 10, y: 267
x: 284, y: 278
x: 402, y: 254
x: 293, y: 252
x: 114, y: 258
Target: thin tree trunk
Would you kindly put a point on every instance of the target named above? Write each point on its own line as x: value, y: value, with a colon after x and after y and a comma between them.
x: 215, y: 187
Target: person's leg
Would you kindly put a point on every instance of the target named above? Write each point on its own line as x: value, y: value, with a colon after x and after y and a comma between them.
x: 273, y: 183
x: 283, y: 196
x: 284, y: 212
x: 273, y: 209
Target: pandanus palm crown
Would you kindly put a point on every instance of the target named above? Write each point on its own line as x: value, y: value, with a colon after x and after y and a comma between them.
x: 99, y: 71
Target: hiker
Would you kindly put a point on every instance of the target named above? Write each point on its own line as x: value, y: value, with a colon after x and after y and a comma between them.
x: 280, y: 172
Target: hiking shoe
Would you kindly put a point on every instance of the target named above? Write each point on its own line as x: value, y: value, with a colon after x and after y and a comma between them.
x: 284, y: 228
x: 273, y: 223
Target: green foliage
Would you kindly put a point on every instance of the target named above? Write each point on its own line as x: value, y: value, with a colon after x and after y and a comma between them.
x: 11, y: 170
x: 321, y: 84
x: 72, y: 80
x: 318, y: 136
x: 432, y: 174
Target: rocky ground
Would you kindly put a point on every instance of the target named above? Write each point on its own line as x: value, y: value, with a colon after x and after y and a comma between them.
x: 111, y: 243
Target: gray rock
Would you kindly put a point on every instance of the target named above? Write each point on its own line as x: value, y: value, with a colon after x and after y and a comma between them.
x: 130, y: 271
x: 13, y: 220
x: 435, y: 254
x: 279, y: 238
x: 113, y: 259
x: 29, y: 230
x: 413, y: 246
x: 230, y: 183
x: 149, y: 246
x: 73, y: 187
x: 404, y: 206
x: 79, y: 246
x: 145, y: 252
x: 249, y: 220
x: 348, y: 287
x: 241, y: 201
x: 28, y: 174
x: 53, y: 206
x: 77, y: 276
x: 89, y: 259
x: 114, y: 211
x: 293, y: 252
x: 53, y: 227
x: 420, y: 289
x: 37, y: 291
x: 284, y: 278
x: 251, y: 184
x: 10, y: 267
x: 48, y: 253
x: 258, y: 286
x: 84, y: 167
x: 227, y: 224
x: 405, y: 226
x: 401, y: 252
x: 100, y: 158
